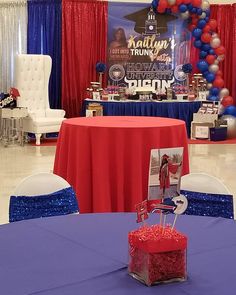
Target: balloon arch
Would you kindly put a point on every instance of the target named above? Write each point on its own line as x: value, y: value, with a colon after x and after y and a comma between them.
x: 211, y: 52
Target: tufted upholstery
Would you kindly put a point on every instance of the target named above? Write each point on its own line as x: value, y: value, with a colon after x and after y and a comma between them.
x: 32, y: 74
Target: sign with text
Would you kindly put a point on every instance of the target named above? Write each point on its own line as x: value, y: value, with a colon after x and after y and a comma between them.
x: 144, y: 48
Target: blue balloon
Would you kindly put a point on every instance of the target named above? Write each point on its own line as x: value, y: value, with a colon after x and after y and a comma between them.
x: 187, y: 68
x: 197, y: 33
x: 214, y: 91
x: 205, y: 73
x: 202, y: 65
x: 100, y: 67
x: 206, y: 47
x: 212, y: 98
x: 198, y: 43
x: 201, y: 23
x: 207, y: 12
x: 210, y: 77
x: 230, y: 110
x: 212, y: 51
x: 190, y: 7
x: 183, y: 8
x: 207, y: 19
x: 155, y: 4
x: 194, y: 10
x: 199, y: 11
x: 203, y: 54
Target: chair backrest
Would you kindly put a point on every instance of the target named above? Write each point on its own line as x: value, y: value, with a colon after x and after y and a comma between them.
x: 207, y: 196
x: 31, y: 78
x: 40, y: 184
x: 42, y: 195
x: 203, y: 183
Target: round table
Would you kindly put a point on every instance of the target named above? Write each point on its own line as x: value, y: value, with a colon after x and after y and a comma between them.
x: 88, y: 254
x: 106, y: 159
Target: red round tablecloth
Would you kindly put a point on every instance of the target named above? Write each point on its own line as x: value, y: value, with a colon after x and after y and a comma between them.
x: 106, y: 159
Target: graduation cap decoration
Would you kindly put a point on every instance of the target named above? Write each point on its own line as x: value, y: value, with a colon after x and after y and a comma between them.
x: 14, y: 92
x: 140, y: 18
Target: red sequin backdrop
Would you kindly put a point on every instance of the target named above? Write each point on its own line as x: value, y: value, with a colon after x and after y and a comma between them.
x: 84, y: 40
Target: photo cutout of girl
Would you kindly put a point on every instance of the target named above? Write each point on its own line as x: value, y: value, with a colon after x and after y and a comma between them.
x: 165, y: 173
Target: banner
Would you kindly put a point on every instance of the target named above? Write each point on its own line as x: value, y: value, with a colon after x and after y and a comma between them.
x: 144, y: 48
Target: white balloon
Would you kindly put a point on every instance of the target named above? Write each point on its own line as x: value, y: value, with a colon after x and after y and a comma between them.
x: 221, y: 109
x: 216, y: 62
x: 185, y: 15
x: 221, y: 57
x: 215, y: 42
x: 203, y: 15
x: 213, y: 68
x: 209, y: 85
x: 171, y: 2
x: 224, y: 92
x: 231, y: 125
x: 205, y: 5
x: 215, y: 35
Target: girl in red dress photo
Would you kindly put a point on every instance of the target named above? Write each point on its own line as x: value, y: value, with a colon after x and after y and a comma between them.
x: 166, y: 168
x: 165, y: 173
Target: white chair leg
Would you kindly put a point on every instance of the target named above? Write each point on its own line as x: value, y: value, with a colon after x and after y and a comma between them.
x: 38, y: 135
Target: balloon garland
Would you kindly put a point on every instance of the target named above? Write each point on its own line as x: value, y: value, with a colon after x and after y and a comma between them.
x: 211, y: 52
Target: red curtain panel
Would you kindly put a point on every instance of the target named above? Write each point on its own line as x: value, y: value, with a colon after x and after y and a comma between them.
x: 84, y: 39
x: 225, y: 15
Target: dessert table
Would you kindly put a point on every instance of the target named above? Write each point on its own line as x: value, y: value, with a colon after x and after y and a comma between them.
x: 106, y: 159
x: 88, y: 254
x: 182, y: 110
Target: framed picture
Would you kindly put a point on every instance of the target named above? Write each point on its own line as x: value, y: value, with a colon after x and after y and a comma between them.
x: 202, y: 132
x: 96, y: 95
x: 201, y: 129
x: 165, y: 169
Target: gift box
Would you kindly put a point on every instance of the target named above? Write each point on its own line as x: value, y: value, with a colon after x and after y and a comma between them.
x: 157, y: 255
x: 94, y: 109
x: 218, y: 133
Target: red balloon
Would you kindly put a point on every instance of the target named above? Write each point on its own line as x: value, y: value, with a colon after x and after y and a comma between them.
x: 163, y: 4
x: 227, y: 101
x: 161, y: 9
x: 206, y: 37
x: 220, y: 50
x: 218, y: 82
x: 186, y: 1
x: 175, y: 8
x: 219, y: 73
x: 210, y: 59
x: 178, y: 2
x: 194, y: 20
x: 191, y: 27
x: 212, y: 23
x: 206, y: 29
x: 196, y: 3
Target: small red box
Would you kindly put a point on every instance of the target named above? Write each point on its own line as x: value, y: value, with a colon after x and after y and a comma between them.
x: 157, y: 255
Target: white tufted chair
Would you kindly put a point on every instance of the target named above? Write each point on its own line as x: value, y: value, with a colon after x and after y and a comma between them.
x: 32, y: 74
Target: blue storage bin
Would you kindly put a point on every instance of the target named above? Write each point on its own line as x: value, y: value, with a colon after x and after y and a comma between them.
x: 218, y: 133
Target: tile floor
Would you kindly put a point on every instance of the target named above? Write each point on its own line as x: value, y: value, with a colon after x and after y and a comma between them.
x: 18, y: 162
